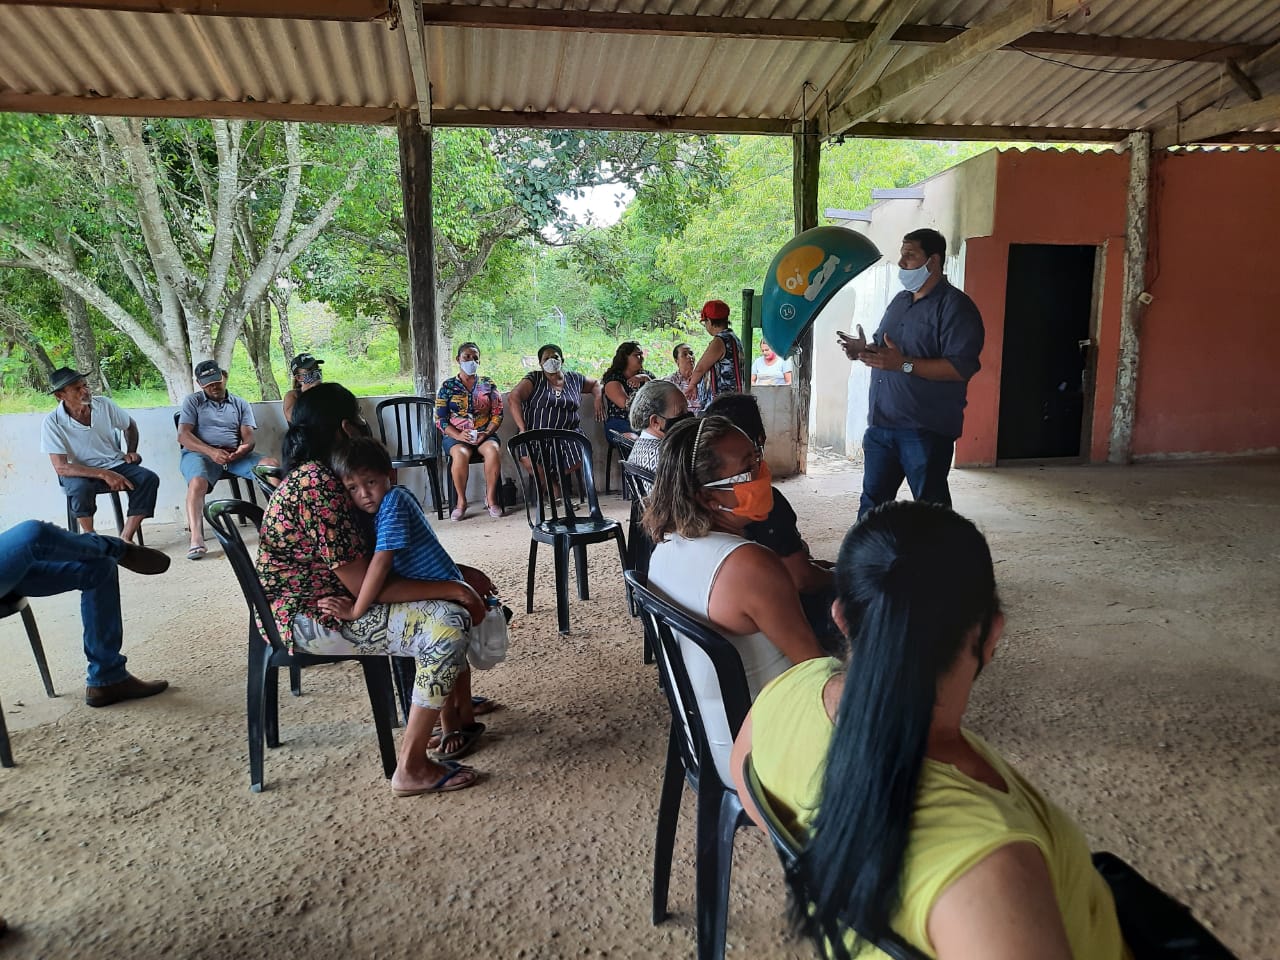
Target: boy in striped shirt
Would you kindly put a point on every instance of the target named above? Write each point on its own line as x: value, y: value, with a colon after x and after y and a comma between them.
x: 404, y: 541
x: 406, y: 545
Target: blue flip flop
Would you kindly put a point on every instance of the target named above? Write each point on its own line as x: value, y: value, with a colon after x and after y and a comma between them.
x: 469, y: 737
x: 441, y: 785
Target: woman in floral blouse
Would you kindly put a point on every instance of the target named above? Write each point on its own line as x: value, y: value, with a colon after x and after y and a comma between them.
x: 469, y: 413
x: 310, y: 548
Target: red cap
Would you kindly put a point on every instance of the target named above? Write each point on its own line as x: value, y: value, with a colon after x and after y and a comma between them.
x: 715, y: 310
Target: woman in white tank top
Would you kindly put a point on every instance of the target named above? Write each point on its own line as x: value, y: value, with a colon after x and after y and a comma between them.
x: 711, y: 482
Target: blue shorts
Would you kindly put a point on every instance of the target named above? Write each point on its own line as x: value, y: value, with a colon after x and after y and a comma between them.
x: 198, y: 465
x: 449, y: 443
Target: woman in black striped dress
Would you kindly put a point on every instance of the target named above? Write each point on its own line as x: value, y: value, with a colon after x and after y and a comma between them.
x: 549, y: 398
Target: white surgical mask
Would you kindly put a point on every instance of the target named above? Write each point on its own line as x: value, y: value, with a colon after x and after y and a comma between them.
x: 913, y: 280
x: 552, y: 364
x: 469, y: 367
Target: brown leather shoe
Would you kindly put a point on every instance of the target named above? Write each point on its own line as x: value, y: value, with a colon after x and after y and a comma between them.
x: 143, y: 560
x: 131, y: 688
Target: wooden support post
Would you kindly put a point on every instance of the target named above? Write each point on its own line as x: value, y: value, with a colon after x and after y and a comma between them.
x: 415, y: 182
x: 806, y: 152
x: 749, y: 321
x: 1137, y: 224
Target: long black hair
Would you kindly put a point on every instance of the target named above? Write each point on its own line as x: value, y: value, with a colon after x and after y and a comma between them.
x: 316, y: 427
x: 913, y: 581
x: 620, y: 357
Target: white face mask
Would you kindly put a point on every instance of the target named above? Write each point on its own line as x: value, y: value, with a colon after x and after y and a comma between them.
x: 552, y: 364
x: 913, y: 280
x: 469, y: 367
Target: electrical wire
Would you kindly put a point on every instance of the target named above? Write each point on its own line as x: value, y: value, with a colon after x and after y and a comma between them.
x: 1118, y: 71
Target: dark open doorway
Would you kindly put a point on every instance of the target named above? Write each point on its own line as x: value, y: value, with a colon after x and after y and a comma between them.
x: 1045, y: 378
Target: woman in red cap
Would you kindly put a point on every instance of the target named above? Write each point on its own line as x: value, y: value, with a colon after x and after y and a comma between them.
x: 722, y: 360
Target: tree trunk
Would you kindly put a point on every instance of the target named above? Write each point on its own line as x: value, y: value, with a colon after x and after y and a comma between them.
x: 281, y: 301
x: 404, y: 334
x: 23, y: 337
x: 256, y: 335
x: 84, y: 344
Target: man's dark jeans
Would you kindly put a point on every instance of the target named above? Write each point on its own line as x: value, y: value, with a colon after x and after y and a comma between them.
x: 891, y: 455
x: 83, y: 491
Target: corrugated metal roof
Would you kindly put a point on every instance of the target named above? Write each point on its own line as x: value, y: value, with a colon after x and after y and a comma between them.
x: 160, y: 62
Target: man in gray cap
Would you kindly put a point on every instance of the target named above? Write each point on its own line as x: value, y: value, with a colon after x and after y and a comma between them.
x: 216, y: 431
x: 80, y: 438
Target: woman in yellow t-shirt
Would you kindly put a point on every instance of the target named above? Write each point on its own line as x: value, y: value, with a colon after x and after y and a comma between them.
x: 912, y: 824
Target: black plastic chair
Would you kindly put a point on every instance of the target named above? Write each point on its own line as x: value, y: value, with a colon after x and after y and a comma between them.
x: 73, y: 524
x: 788, y: 849
x: 267, y: 653
x: 229, y: 477
x: 415, y: 441
x: 639, y: 482
x: 690, y: 750
x: 10, y: 604
x: 264, y: 474
x: 621, y: 444
x: 550, y: 510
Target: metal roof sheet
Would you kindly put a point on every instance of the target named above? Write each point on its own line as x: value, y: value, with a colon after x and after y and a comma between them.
x: 97, y: 57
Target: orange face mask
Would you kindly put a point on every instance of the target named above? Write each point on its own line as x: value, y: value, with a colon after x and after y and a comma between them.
x: 755, y: 496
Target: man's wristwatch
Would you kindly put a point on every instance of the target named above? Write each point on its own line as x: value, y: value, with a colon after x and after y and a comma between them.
x: 907, y: 366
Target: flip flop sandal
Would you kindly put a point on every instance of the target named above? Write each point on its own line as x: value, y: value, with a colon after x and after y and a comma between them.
x: 467, y: 738
x: 197, y: 553
x: 444, y: 784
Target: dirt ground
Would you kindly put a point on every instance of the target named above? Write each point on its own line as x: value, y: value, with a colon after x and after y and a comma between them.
x: 1137, y: 685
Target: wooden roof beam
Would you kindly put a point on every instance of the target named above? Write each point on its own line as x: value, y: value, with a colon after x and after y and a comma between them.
x: 1211, y: 124
x: 852, y: 75
x: 985, y: 132
x: 218, y: 109
x: 415, y: 39
x: 1016, y: 20
x: 647, y: 24
x: 837, y: 31
x: 386, y: 116
x: 354, y: 11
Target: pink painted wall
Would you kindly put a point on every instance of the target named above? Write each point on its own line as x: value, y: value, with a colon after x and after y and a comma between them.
x: 1209, y: 341
x: 1210, y: 345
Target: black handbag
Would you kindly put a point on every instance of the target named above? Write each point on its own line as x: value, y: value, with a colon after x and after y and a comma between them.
x: 1155, y: 925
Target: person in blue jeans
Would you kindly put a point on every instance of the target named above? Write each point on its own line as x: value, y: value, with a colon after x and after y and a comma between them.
x: 38, y: 559
x: 923, y: 355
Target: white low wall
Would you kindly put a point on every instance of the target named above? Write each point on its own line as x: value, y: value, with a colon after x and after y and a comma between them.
x: 29, y: 488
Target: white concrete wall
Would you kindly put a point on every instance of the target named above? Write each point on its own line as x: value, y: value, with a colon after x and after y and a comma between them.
x: 29, y: 488
x: 959, y: 203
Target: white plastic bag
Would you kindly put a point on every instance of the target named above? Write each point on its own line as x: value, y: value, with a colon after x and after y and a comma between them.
x: 489, y: 639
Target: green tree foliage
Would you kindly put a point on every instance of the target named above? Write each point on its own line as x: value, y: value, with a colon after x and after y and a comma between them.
x: 174, y: 231
x: 728, y: 243
x: 491, y: 188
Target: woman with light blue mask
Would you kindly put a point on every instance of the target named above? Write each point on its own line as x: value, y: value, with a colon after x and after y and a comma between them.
x: 468, y: 414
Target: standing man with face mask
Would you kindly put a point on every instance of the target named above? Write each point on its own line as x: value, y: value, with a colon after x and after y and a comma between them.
x: 923, y: 355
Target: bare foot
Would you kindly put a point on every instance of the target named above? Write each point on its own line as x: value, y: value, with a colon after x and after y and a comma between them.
x: 435, y: 778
